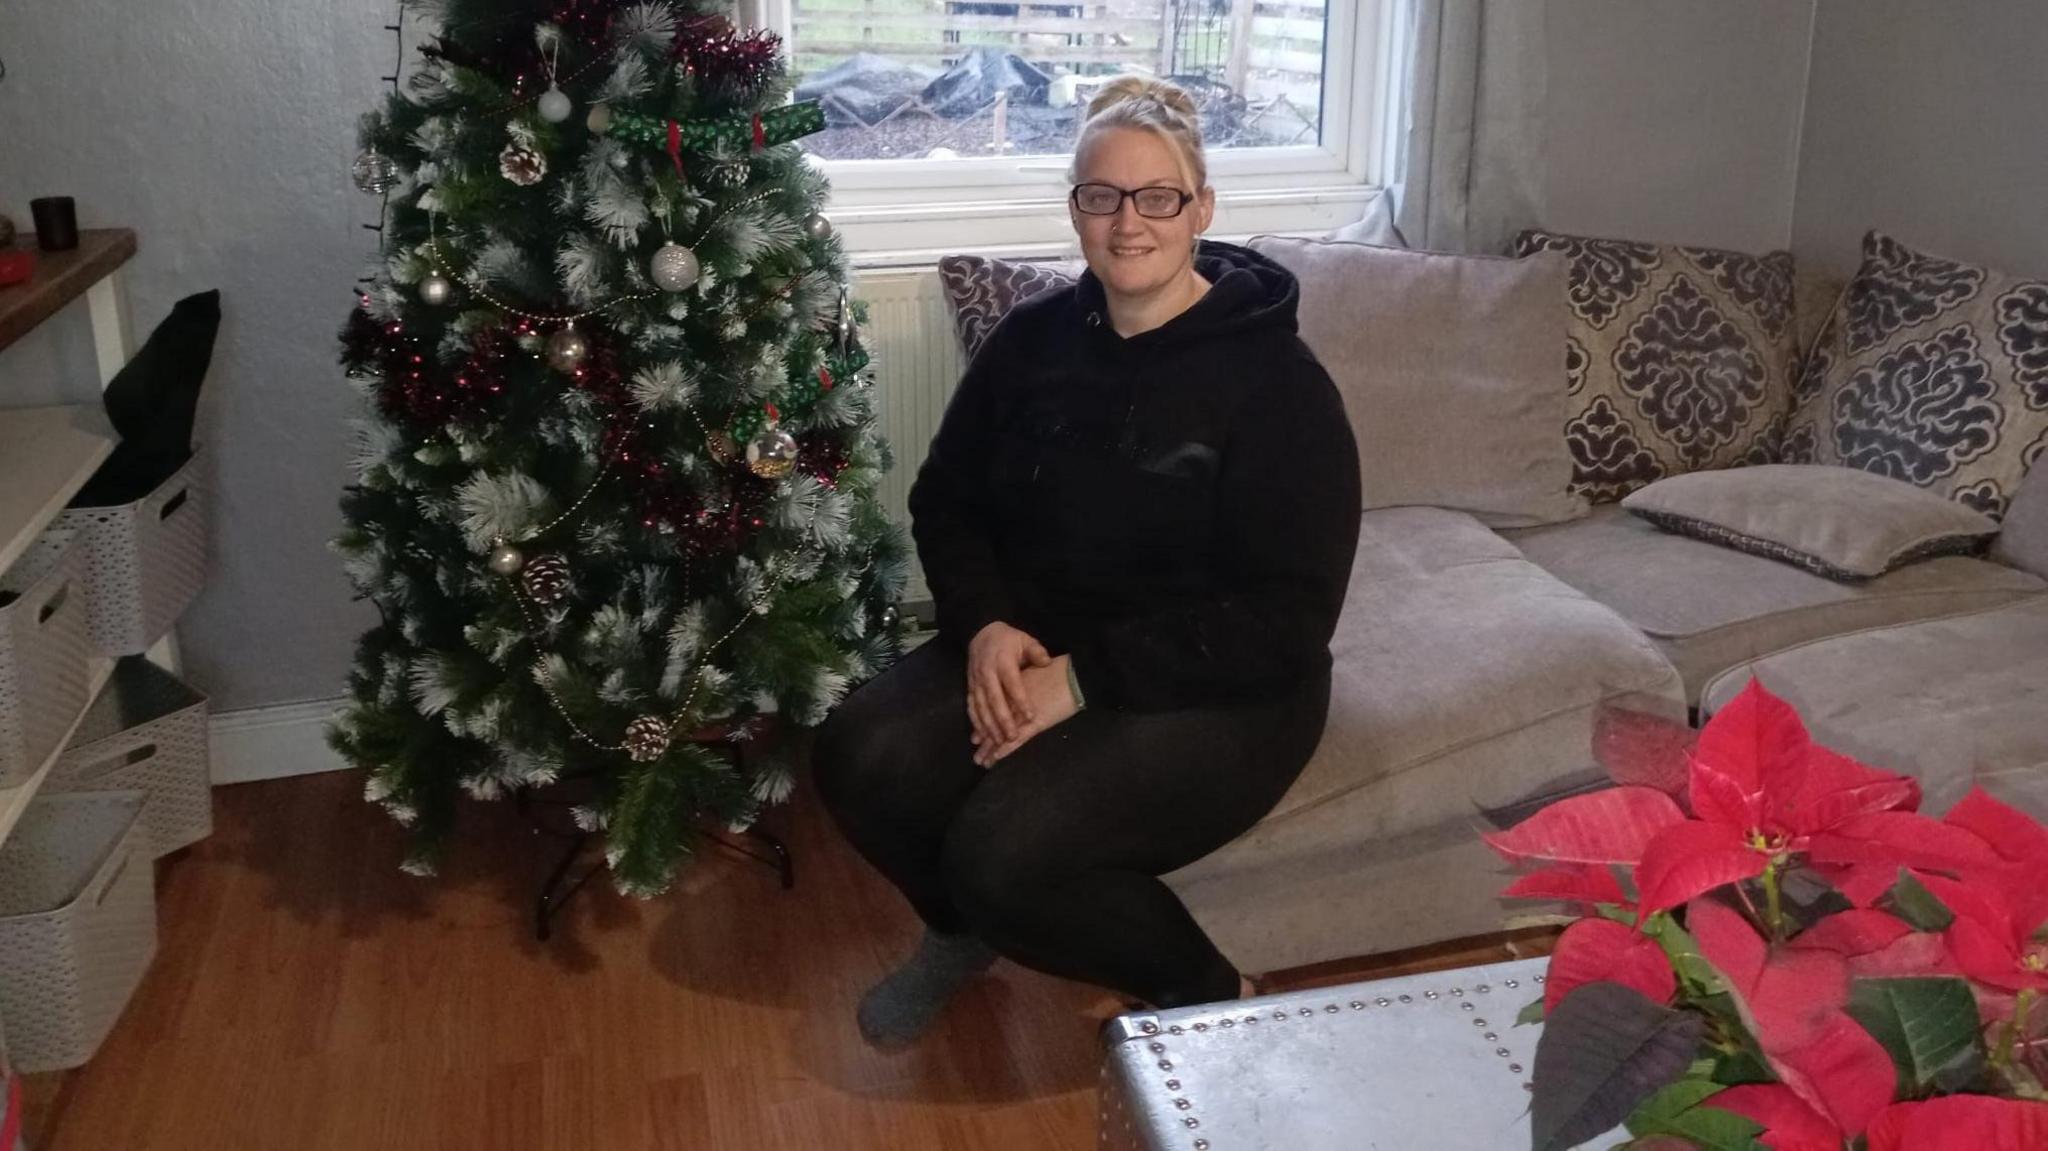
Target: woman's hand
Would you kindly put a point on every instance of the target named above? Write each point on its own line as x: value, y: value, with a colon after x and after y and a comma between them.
x: 997, y: 704
x: 1051, y: 701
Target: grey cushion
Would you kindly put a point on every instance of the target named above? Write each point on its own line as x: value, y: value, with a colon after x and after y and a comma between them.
x: 1452, y: 369
x: 1466, y: 680
x: 1952, y: 702
x: 1710, y: 608
x: 2024, y: 541
x: 981, y: 291
x: 1839, y: 523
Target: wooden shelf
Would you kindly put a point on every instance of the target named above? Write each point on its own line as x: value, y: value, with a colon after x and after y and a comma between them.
x: 15, y: 800
x: 46, y: 455
x: 60, y: 278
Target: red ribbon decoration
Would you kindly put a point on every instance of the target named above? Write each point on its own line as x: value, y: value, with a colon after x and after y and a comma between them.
x: 675, y: 147
x: 824, y: 379
x: 774, y: 416
x: 760, y: 134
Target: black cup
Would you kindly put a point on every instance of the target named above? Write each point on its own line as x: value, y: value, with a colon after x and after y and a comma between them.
x: 56, y: 223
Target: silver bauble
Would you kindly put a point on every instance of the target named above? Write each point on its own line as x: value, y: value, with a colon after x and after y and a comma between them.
x: 599, y: 119
x: 674, y: 268
x: 567, y: 349
x: 506, y: 559
x: 555, y: 105
x: 374, y: 172
x: 772, y: 454
x: 817, y: 226
x: 891, y: 617
x: 435, y: 290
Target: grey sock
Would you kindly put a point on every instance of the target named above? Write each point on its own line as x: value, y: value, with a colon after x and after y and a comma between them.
x: 907, y: 1001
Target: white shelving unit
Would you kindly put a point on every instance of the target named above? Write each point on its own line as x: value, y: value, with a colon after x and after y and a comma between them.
x: 47, y: 454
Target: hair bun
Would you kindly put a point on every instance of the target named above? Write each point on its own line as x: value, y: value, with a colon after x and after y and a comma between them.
x: 1127, y: 89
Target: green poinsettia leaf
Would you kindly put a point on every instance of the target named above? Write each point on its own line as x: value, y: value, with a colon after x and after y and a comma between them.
x: 1910, y: 900
x: 1605, y: 1049
x: 1533, y: 1013
x: 1929, y: 1026
x: 1696, y: 977
x: 1675, y: 1113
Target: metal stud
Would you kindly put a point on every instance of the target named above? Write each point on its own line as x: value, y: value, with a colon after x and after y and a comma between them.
x: 1457, y: 993
x: 1511, y: 983
x: 1407, y: 999
x: 1157, y: 1048
x: 1358, y: 1005
x: 1149, y: 1027
x: 1466, y: 1006
x: 1192, y: 1122
x: 1383, y: 1001
x: 1330, y: 1009
x: 1280, y: 1017
x: 1482, y: 989
x: 1182, y: 1104
x: 1502, y: 1052
x: 1201, y: 1145
x: 1226, y: 1023
x: 1201, y: 1027
x: 1539, y: 979
x: 1490, y: 1037
x: 1174, y: 1030
x: 1515, y: 1067
x: 1479, y: 1023
x: 1429, y: 995
x: 1173, y: 1085
x: 1305, y: 1013
x: 1166, y: 1064
x: 1250, y: 1019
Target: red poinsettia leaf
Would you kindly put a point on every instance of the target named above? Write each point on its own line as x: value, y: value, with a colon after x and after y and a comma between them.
x: 1787, y: 1120
x: 1861, y: 884
x: 1692, y: 859
x: 1757, y: 741
x: 1959, y: 1123
x: 1918, y: 954
x: 1611, y: 826
x: 1981, y: 905
x: 1902, y: 839
x: 1643, y: 749
x: 1835, y: 788
x: 1601, y: 950
x: 1855, y: 932
x: 1720, y: 798
x: 1796, y: 997
x: 1582, y: 884
x: 1843, y: 1072
x: 2014, y: 835
x: 1729, y: 943
x: 1985, y: 957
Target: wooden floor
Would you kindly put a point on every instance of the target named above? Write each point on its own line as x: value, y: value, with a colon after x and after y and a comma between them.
x: 307, y: 996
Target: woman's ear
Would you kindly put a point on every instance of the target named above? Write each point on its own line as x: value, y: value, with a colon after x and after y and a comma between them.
x: 1205, y: 212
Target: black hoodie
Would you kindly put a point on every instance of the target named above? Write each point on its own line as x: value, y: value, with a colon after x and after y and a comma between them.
x: 1177, y: 511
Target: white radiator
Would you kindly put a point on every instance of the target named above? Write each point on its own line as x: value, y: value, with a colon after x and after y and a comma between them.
x: 917, y: 363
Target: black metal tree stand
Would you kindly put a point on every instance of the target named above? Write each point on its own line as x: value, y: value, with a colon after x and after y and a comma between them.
x: 566, y: 878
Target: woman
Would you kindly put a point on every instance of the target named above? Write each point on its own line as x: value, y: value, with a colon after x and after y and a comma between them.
x: 1137, y: 520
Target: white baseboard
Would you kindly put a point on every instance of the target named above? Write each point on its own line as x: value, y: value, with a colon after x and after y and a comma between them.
x: 273, y: 742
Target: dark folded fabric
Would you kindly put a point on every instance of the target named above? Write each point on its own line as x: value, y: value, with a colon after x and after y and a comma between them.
x: 153, y: 402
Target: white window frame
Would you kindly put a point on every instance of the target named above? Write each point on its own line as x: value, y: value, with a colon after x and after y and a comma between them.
x: 902, y: 212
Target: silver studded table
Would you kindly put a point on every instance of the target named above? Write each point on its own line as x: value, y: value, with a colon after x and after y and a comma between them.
x: 1421, y: 1063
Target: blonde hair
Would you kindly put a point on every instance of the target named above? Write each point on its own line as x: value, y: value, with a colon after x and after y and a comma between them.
x: 1156, y: 106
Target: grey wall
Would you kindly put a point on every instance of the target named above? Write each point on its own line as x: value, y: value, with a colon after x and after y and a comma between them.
x: 1676, y: 120
x: 1925, y: 119
x: 221, y: 130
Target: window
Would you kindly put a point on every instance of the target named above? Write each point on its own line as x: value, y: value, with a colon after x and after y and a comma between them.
x: 951, y: 122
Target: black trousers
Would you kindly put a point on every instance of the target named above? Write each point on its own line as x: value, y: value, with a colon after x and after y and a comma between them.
x: 1052, y: 855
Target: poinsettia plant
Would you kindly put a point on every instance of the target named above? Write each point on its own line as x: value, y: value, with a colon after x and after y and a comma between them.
x: 1781, y: 951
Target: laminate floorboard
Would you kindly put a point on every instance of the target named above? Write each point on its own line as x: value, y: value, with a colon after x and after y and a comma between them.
x: 308, y: 996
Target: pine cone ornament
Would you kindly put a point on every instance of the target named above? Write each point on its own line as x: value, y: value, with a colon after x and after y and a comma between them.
x: 646, y: 739
x: 521, y: 165
x: 547, y: 580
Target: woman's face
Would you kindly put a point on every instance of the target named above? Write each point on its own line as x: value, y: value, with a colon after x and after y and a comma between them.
x: 1135, y: 255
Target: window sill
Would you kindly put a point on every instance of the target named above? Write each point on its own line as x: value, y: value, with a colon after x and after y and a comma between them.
x: 880, y: 236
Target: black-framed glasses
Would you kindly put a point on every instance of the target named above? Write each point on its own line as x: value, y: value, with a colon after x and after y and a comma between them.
x: 1155, y: 203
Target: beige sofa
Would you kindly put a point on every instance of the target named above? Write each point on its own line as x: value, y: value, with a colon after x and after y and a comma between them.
x: 1473, y: 657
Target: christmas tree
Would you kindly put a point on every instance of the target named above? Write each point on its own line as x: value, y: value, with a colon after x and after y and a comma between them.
x: 615, y: 491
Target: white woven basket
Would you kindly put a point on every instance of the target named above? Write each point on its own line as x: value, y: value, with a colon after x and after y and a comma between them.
x: 144, y: 561
x: 45, y: 648
x: 77, y: 925
x: 146, y: 732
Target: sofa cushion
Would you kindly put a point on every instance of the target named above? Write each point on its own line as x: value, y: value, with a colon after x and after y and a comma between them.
x: 1681, y: 359
x: 2024, y: 541
x: 1710, y: 608
x: 1931, y: 371
x: 1953, y: 702
x: 981, y: 291
x: 1839, y: 523
x: 1451, y: 370
x: 1465, y: 681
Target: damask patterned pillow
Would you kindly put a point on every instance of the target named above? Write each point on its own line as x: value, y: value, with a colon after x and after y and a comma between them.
x: 1678, y: 359
x: 1931, y: 371
x: 982, y: 291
